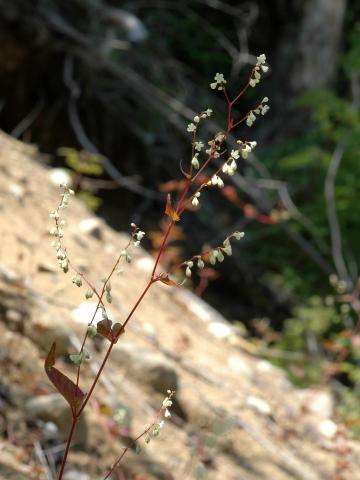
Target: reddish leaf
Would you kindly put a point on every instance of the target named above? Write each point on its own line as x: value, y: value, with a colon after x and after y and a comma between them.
x: 112, y: 333
x: 68, y: 389
x: 165, y: 279
x: 172, y: 185
x: 170, y: 212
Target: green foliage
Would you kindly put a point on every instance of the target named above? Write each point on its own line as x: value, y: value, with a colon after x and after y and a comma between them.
x: 317, y: 339
x: 304, y: 333
x: 92, y: 201
x: 351, y: 61
x: 83, y: 162
x: 322, y: 346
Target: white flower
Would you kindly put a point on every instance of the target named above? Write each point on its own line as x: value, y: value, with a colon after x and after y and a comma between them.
x: 238, y: 235
x: 219, y: 78
x: 253, y: 82
x: 195, y: 202
x: 264, y: 68
x: 261, y: 59
x: 140, y: 235
x: 214, y: 180
x: 225, y: 168
x: 265, y: 109
x: 195, y: 162
x: 233, y: 165
x: 219, y: 82
x: 196, y: 119
x: 200, y: 263
x: 191, y: 127
x: 247, y: 148
x: 220, y: 183
x: 167, y: 413
x: 235, y: 154
x: 253, y: 144
x: 250, y: 119
x: 265, y: 100
x: 219, y: 137
x: 54, y: 215
x: 208, y: 112
x: 198, y: 146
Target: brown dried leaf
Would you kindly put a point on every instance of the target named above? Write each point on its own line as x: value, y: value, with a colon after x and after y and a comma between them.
x: 68, y: 389
x: 170, y: 212
x: 165, y: 279
x: 106, y: 330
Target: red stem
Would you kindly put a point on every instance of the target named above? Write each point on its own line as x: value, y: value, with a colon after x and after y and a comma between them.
x: 152, y: 280
x: 67, y: 448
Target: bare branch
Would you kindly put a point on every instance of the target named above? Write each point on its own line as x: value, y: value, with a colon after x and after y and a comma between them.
x: 335, y: 233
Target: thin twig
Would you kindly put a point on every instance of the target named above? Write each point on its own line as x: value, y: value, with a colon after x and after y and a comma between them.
x: 335, y: 232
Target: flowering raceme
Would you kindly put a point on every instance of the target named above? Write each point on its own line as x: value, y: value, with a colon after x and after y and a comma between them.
x: 206, y: 170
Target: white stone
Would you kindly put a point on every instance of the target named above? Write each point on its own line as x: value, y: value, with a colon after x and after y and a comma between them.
x: 16, y: 190
x: 265, y: 366
x: 58, y: 176
x: 219, y: 329
x: 318, y: 402
x: 328, y: 428
x: 258, y: 404
x: 91, y: 226
x: 84, y: 312
x: 238, y: 365
x: 146, y: 264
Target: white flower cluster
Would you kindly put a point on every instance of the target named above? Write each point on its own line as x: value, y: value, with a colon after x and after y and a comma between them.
x: 137, y: 235
x: 230, y: 165
x: 58, y: 231
x: 193, y: 125
x: 216, y: 181
x: 259, y: 67
x: 246, y: 148
x: 214, y: 255
x: 156, y: 429
x: 262, y: 109
x: 195, y: 200
x: 189, y: 265
x: 215, y: 145
x: 125, y: 254
x: 198, y: 146
x: 219, y: 82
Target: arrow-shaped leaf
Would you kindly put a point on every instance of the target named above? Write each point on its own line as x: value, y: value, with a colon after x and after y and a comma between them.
x: 167, y: 280
x: 170, y: 212
x: 68, y: 389
x: 112, y: 333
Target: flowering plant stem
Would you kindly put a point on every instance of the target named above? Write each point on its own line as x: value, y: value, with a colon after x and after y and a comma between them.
x: 174, y: 215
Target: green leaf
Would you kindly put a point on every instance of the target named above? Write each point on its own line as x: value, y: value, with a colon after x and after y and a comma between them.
x: 79, y: 358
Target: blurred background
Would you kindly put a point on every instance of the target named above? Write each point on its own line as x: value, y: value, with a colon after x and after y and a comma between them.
x: 106, y: 88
